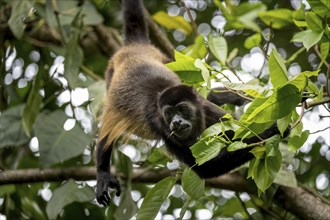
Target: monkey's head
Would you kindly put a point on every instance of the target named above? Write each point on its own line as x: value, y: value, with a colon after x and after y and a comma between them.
x: 181, y: 112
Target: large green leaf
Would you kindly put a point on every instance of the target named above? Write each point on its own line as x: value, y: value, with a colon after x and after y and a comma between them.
x: 277, y: 70
x: 320, y: 7
x: 56, y: 144
x: 66, y: 194
x: 11, y: 127
x: 219, y: 48
x: 308, y: 37
x: 314, y: 22
x: 277, y: 18
x: 172, y: 22
x: 278, y: 105
x: 300, y: 81
x: 192, y: 184
x: 155, y: 198
x: 18, y: 15
x: 206, y: 149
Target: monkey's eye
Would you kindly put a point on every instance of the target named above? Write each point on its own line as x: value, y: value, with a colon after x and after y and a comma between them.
x: 168, y: 112
x: 183, y: 109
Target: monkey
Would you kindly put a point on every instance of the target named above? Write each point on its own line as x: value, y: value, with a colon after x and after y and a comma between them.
x: 147, y: 99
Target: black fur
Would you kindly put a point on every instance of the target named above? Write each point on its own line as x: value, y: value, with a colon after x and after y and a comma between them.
x: 136, y: 30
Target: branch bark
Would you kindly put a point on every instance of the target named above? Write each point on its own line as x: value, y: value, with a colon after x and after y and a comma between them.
x: 299, y: 201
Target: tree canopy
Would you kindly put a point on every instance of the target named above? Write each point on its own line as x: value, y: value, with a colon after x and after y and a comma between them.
x: 272, y: 54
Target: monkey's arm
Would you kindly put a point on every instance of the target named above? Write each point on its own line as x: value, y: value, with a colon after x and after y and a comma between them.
x: 226, y: 161
x: 104, y: 178
x: 221, y: 96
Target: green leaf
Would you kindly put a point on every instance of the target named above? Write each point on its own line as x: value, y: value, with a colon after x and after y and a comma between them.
x: 297, y: 141
x: 182, y: 57
x: 31, y: 209
x: 198, y: 49
x: 242, y: 16
x: 253, y: 41
x: 11, y: 127
x: 308, y: 38
x: 73, y: 55
x: 155, y: 198
x: 314, y: 22
x: 263, y: 171
x: 187, y: 71
x: 68, y: 10
x: 7, y: 190
x: 192, y: 184
x: 56, y: 144
x: 18, y: 15
x: 206, y: 149
x: 66, y: 194
x: 300, y: 81
x: 172, y: 22
x: 90, y: 14
x: 258, y: 152
x: 277, y: 70
x: 300, y: 23
x: 283, y: 123
x: 252, y: 90
x: 97, y: 93
x: 219, y: 48
x: 277, y: 18
x: 236, y: 146
x: 321, y: 7
x: 205, y: 72
x: 32, y: 106
x: 324, y: 50
x: 278, y: 105
x: 212, y: 130
x: 127, y: 207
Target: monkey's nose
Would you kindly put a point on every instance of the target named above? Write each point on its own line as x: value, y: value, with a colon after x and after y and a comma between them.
x: 176, y: 125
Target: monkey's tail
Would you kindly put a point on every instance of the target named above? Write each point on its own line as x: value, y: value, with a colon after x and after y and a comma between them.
x: 136, y: 30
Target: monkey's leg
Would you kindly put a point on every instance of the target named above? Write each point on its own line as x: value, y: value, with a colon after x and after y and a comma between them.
x: 104, y: 178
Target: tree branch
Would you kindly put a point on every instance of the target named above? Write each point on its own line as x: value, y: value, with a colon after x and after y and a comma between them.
x: 297, y: 200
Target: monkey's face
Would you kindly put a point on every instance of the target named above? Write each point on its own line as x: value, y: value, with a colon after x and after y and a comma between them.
x: 179, y: 119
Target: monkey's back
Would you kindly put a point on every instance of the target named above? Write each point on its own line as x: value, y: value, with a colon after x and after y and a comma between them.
x: 137, y: 75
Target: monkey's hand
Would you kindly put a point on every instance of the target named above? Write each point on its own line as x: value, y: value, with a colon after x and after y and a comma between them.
x: 105, y: 180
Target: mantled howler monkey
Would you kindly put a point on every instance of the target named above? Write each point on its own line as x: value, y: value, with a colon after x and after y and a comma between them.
x: 147, y: 99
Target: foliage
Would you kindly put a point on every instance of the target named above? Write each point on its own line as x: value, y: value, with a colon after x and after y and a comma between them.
x: 43, y: 124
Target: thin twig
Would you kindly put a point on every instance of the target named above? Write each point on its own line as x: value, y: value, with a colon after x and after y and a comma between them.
x: 55, y: 10
x: 243, y: 205
x: 90, y: 72
x: 312, y: 104
x: 303, y: 107
x: 320, y: 130
x: 192, y: 21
